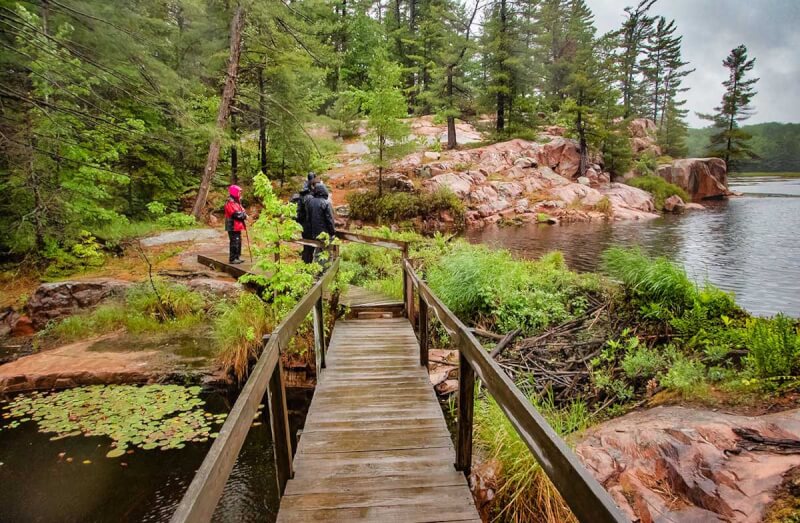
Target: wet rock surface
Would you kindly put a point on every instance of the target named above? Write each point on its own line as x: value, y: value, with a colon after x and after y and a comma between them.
x: 681, y: 464
x: 56, y: 300
x: 702, y: 178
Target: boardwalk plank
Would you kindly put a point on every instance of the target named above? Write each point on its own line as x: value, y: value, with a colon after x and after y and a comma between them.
x: 375, y: 446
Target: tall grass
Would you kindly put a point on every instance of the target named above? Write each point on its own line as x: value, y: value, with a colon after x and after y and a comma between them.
x: 238, y: 328
x: 658, y: 279
x: 140, y: 311
x: 491, y: 286
x: 525, y: 493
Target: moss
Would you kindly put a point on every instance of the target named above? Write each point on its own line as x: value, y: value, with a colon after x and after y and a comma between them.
x: 394, y: 207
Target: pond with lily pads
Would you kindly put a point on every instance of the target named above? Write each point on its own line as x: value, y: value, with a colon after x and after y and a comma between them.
x: 123, y: 453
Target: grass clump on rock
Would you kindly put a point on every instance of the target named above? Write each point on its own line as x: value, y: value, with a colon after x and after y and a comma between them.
x: 659, y: 188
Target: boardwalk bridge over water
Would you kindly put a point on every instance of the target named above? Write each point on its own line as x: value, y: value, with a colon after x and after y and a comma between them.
x: 375, y: 445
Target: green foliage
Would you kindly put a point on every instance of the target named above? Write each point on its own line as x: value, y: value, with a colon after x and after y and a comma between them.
x: 82, y: 255
x: 177, y: 220
x: 385, y: 106
x: 480, y: 283
x: 284, y: 279
x: 659, y: 188
x: 774, y: 347
x: 147, y: 417
x: 685, y: 375
x: 393, y: 207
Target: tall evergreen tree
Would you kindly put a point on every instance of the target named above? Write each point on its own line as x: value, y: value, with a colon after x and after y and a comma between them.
x: 636, y: 29
x: 729, y: 142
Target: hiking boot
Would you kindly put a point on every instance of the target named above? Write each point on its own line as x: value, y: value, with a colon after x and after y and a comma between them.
x: 237, y: 261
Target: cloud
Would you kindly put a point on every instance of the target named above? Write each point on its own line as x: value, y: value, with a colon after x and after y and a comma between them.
x: 710, y: 29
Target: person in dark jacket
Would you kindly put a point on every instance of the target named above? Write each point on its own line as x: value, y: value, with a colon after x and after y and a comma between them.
x: 302, y: 215
x: 235, y: 216
x: 319, y: 214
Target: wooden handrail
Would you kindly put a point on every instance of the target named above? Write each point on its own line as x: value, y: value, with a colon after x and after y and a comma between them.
x: 373, y: 240
x: 589, y: 501
x: 201, y: 498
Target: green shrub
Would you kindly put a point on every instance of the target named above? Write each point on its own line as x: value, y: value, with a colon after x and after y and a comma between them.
x: 643, y: 362
x: 177, y: 220
x: 393, y: 207
x: 177, y: 300
x: 686, y: 376
x: 774, y: 346
x: 86, y: 253
x: 659, y: 188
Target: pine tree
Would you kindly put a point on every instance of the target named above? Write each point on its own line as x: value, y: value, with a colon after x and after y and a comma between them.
x: 662, y: 66
x: 636, y: 29
x: 729, y: 142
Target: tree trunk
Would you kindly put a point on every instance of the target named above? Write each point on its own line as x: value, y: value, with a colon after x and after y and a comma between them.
x: 380, y: 166
x: 451, y: 120
x: 237, y: 24
x: 579, y: 127
x: 262, y: 122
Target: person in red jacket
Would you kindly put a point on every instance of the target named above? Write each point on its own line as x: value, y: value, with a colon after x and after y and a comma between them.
x: 235, y: 216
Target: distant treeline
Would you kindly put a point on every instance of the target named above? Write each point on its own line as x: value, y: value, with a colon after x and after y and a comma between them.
x: 776, y: 144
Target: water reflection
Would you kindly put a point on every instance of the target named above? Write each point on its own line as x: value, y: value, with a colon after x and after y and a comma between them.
x: 747, y: 245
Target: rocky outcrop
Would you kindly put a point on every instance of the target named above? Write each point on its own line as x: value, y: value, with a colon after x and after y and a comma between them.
x: 519, y: 179
x: 55, y: 300
x: 643, y: 137
x: 681, y: 464
x: 702, y: 178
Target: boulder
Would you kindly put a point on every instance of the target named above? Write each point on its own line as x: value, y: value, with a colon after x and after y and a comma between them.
x: 560, y: 154
x: 398, y: 182
x: 642, y: 128
x: 626, y: 196
x: 432, y: 155
x: 55, y: 300
x: 694, y: 207
x: 584, y: 180
x: 482, y: 194
x: 342, y: 210
x: 508, y: 189
x: 681, y: 464
x: 674, y: 204
x: 215, y: 287
x: 702, y: 178
x: 460, y: 184
x: 577, y: 193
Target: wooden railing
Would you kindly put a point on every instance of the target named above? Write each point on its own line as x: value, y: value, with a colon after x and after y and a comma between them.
x: 202, y: 496
x: 588, y: 500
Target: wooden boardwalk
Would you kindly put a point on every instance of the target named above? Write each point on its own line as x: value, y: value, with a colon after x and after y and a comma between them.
x: 375, y: 446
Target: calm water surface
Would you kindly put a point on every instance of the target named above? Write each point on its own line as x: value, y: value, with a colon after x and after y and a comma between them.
x: 38, y: 486
x: 748, y: 245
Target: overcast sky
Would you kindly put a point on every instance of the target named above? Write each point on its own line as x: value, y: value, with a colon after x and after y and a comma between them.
x: 710, y: 29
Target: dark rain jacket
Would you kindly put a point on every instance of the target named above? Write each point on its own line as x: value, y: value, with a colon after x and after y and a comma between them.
x: 319, y: 213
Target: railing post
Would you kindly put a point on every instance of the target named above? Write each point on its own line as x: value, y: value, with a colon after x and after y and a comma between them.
x: 404, y: 275
x: 423, y: 331
x: 466, y: 405
x: 319, y: 336
x: 279, y: 422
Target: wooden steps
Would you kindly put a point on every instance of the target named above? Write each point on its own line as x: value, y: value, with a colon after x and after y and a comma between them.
x: 375, y: 446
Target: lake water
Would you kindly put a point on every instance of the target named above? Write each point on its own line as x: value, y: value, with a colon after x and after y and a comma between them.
x: 749, y: 245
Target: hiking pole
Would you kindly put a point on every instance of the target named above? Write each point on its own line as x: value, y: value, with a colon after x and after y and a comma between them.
x: 247, y: 235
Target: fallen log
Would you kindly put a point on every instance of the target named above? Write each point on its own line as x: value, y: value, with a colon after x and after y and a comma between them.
x: 502, y: 344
